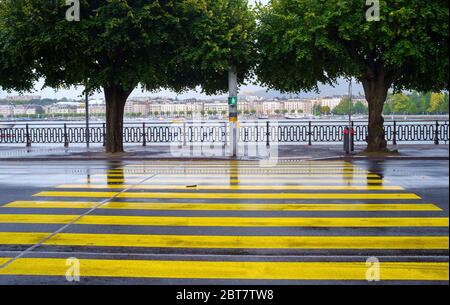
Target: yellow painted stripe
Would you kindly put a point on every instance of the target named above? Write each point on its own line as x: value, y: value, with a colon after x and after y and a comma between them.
x: 246, y: 166
x: 229, y: 242
x: 180, y: 174
x: 224, y: 206
x: 227, y: 221
x: 250, y: 196
x: 261, y: 170
x: 13, y: 238
x: 244, y: 181
x: 237, y: 187
x: 423, y: 271
x: 240, y: 163
x: 36, y: 218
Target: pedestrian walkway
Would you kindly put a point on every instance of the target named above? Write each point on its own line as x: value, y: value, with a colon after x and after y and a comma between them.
x: 219, y: 221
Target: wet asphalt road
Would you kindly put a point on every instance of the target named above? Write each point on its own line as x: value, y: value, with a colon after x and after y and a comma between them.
x: 223, y: 222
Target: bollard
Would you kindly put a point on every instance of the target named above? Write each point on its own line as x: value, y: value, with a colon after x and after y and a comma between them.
x: 436, y: 134
x: 347, y: 140
x: 268, y: 134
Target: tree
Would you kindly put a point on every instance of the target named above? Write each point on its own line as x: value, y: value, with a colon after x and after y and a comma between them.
x: 16, y: 70
x: 425, y: 102
x: 325, y: 110
x: 118, y: 45
x: 305, y: 42
x: 400, y: 103
x: 437, y: 104
x: 317, y: 109
x: 343, y: 107
x: 360, y: 108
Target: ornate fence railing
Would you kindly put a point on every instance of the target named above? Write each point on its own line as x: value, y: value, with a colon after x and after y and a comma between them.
x: 183, y: 133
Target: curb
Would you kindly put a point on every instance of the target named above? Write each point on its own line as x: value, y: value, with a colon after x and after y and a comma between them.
x: 119, y: 159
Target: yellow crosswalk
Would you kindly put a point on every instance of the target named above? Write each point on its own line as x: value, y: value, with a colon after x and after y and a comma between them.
x: 212, y: 204
x: 247, y: 196
x: 225, y: 206
x: 425, y: 271
x: 181, y: 174
x: 240, y: 181
x: 236, y: 187
x: 229, y: 242
x: 228, y: 221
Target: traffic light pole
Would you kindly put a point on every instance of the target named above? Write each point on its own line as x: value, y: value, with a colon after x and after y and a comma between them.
x: 86, y: 101
x: 233, y: 110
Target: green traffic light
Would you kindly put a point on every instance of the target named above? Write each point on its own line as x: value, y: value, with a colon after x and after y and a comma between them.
x: 232, y: 101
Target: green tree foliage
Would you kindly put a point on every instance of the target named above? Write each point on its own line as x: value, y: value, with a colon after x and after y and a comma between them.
x: 120, y: 44
x: 16, y: 70
x: 317, y: 109
x: 343, y: 107
x: 400, y: 103
x: 325, y: 110
x: 417, y: 103
x: 438, y: 103
x: 305, y: 42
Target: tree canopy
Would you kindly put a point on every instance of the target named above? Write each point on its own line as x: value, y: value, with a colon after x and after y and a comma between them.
x: 120, y: 44
x: 306, y: 42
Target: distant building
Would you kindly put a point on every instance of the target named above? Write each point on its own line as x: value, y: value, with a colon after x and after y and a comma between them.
x: 271, y: 107
x: 23, y: 98
x: 12, y: 110
x: 6, y: 110
x: 331, y: 102
x: 25, y: 110
x: 298, y: 106
x: 142, y: 108
x: 217, y: 107
x: 62, y: 108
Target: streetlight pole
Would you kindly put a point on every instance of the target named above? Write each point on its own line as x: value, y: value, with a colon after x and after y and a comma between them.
x: 350, y: 104
x: 348, y: 133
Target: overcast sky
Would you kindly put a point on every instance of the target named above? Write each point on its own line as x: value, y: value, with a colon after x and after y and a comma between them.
x: 341, y: 88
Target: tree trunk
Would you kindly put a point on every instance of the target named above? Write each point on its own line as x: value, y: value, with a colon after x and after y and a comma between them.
x: 115, y: 98
x: 376, y: 91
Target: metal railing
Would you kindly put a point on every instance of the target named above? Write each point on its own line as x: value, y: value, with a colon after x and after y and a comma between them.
x: 183, y: 133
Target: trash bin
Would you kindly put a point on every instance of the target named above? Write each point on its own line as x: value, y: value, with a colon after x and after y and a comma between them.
x: 347, y: 140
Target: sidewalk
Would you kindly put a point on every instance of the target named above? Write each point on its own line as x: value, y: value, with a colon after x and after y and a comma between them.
x: 428, y: 151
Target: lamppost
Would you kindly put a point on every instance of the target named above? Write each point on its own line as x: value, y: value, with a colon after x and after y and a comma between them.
x: 348, y: 132
x: 350, y: 104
